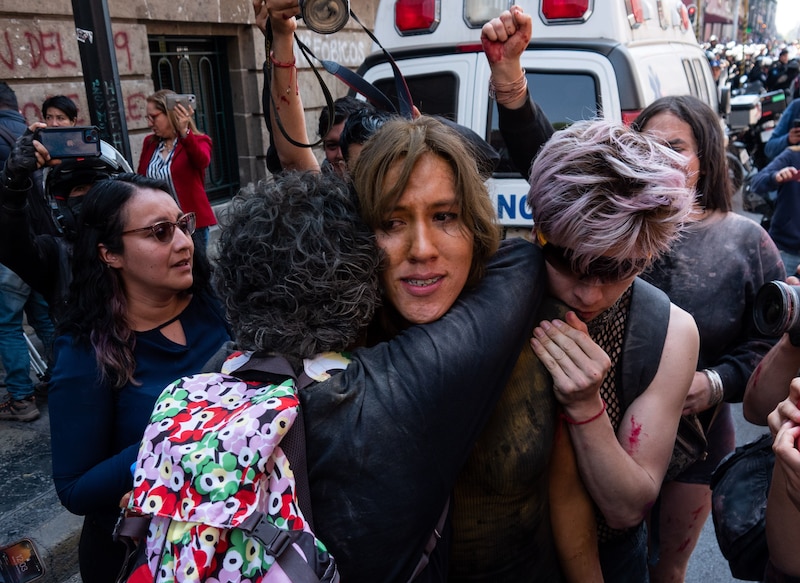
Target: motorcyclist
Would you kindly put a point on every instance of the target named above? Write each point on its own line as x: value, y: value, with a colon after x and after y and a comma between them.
x: 778, y: 75
x: 36, y: 245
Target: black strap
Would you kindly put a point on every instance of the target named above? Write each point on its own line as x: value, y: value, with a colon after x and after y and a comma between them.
x: 268, y: 103
x: 403, y: 93
x: 432, y: 542
x: 360, y: 85
x: 6, y: 134
x: 278, y: 543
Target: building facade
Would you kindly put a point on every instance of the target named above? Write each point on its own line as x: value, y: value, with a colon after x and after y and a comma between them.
x: 208, y: 47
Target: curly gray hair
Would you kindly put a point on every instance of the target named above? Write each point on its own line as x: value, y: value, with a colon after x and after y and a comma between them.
x: 297, y: 269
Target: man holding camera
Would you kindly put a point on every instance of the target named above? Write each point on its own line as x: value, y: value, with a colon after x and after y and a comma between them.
x: 783, y: 175
x: 772, y: 397
x: 35, y: 242
x: 16, y: 298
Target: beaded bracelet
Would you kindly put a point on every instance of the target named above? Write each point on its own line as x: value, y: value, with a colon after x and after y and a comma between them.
x: 572, y: 421
x: 717, y: 391
x: 505, y: 93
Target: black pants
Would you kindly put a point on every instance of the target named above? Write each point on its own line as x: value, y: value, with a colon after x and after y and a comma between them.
x: 100, y: 558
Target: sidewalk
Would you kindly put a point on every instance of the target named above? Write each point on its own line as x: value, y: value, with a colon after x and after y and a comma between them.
x: 29, y: 507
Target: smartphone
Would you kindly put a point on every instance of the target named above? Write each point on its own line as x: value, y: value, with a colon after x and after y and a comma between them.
x: 796, y: 123
x: 70, y: 142
x: 20, y: 563
x: 185, y: 99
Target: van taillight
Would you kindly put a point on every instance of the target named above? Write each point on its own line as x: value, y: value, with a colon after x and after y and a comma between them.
x: 553, y: 10
x: 635, y: 12
x: 416, y: 16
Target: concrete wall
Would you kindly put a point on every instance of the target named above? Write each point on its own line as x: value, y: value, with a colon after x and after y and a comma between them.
x: 39, y: 57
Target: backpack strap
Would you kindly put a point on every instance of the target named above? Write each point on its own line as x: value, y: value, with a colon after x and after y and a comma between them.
x: 432, y: 541
x: 6, y: 134
x: 648, y: 321
x: 278, y: 543
x: 263, y: 367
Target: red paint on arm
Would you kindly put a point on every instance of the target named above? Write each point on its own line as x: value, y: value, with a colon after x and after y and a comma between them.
x: 634, y: 436
x: 757, y: 374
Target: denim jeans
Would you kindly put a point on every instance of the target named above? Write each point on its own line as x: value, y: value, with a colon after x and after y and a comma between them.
x: 16, y: 298
x: 624, y: 560
x: 790, y: 261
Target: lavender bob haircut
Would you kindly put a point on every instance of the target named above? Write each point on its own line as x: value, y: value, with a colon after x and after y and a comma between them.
x: 599, y: 188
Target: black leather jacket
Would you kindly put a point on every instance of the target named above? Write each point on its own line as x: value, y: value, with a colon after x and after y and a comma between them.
x: 387, y: 437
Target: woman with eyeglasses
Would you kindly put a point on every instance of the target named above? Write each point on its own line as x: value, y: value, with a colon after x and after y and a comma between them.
x: 140, y: 315
x: 607, y: 202
x: 179, y: 154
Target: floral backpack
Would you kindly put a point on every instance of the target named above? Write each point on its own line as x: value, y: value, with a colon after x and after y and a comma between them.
x: 221, y: 476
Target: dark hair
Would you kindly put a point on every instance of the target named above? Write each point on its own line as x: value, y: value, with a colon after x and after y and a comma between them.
x: 8, y: 99
x: 297, y: 269
x: 360, y: 126
x: 714, y: 187
x: 63, y: 103
x: 97, y: 309
x: 342, y: 108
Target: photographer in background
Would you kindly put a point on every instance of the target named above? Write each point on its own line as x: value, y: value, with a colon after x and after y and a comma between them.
x: 769, y: 383
x: 179, y: 154
x: 771, y: 398
x: 59, y: 111
x: 783, y: 501
x: 35, y: 241
x: 783, y: 175
x: 16, y: 297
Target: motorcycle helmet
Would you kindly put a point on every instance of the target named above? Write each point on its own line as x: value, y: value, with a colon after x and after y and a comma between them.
x: 60, y: 180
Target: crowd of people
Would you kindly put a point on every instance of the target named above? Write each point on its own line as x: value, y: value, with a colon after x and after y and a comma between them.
x: 499, y: 410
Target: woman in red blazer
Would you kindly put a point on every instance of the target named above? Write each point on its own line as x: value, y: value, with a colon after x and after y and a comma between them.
x: 179, y: 154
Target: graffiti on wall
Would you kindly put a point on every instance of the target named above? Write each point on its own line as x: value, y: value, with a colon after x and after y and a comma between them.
x: 346, y: 49
x: 38, y: 52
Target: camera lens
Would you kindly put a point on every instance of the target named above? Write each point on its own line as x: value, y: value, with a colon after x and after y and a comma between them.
x: 776, y: 308
x: 325, y: 16
x: 91, y: 136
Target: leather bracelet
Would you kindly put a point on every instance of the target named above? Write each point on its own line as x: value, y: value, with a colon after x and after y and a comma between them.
x: 572, y: 421
x: 717, y: 390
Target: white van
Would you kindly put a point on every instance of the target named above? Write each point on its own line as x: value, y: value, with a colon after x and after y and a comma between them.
x: 585, y: 58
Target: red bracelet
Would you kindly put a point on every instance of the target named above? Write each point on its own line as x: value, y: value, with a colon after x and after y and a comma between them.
x: 571, y: 421
x: 281, y: 64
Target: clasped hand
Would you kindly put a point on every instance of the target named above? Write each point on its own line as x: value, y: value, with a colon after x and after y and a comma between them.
x: 576, y: 363
x: 784, y: 423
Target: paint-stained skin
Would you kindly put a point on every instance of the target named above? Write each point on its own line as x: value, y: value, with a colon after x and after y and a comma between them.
x: 634, y: 436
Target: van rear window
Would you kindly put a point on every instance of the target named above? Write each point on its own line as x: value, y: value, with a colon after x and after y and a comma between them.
x: 435, y: 94
x: 564, y: 98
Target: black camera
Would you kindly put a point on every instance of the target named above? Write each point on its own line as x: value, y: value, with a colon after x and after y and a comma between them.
x: 325, y: 16
x: 777, y: 309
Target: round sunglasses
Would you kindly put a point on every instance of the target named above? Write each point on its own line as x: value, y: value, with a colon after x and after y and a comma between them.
x: 604, y: 270
x: 163, y: 231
